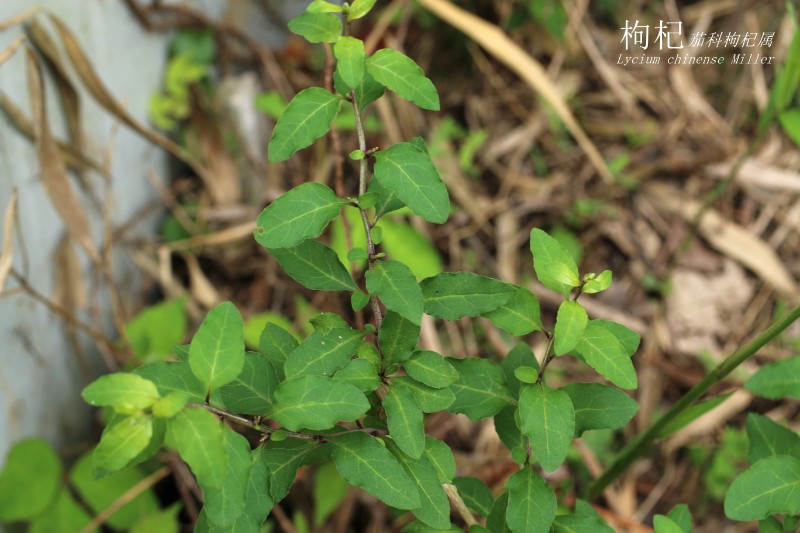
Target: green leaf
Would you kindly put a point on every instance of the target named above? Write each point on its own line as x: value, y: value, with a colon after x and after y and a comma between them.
x: 252, y: 390
x: 361, y: 374
x: 580, y: 524
x: 410, y: 173
x: 777, y: 380
x: 681, y: 515
x: 480, y: 390
x: 395, y: 284
x: 317, y: 402
x: 283, y: 459
x: 217, y: 351
x: 121, y: 443
x: 170, y: 405
x: 29, y: 480
x: 367, y: 91
x: 548, y: 420
x: 173, y: 377
x: 603, y: 352
x: 301, y: 213
x: 388, y: 202
x: 397, y: 337
x: 770, y: 525
x: 599, y: 406
x: 531, y: 503
x: 435, y: 508
x: 496, y: 521
x: 553, y: 264
x: 154, y: 331
x: 63, y: 515
x: 505, y: 424
x: 223, y: 505
x: 441, y: 459
x: 430, y: 400
x: 276, y: 344
x: 628, y: 338
x: 768, y: 487
x: 526, y: 374
x: 663, y: 524
x: 199, y: 439
x: 330, y: 489
x: 770, y: 438
x: 404, y: 243
x: 405, y: 421
x: 570, y: 323
x: 315, y: 266
x: 365, y: 463
x: 323, y: 353
x: 307, y: 118
x: 520, y: 355
x: 476, y: 495
x: 317, y: 27
x: 350, y: 56
x: 359, y: 8
x: 519, y: 315
x: 453, y: 295
x: 790, y: 120
x: 126, y: 393
x: 258, y: 500
x: 599, y: 283
x: 321, y: 6
x: 99, y: 494
x: 431, y: 369
x: 403, y: 76
x: 165, y: 521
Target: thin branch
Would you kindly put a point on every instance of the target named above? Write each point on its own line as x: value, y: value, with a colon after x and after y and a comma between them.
x: 458, y: 504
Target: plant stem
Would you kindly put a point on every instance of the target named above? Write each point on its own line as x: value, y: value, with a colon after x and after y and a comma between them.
x: 548, y: 356
x: 458, y: 503
x: 643, y: 441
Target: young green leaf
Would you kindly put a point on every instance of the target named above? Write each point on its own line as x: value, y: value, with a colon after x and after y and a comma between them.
x: 531, y: 503
x: 276, y: 344
x: 365, y: 463
x: 359, y: 8
x: 480, y: 390
x: 519, y: 315
x: 430, y: 400
x: 397, y: 288
x: 768, y: 487
x: 681, y: 515
x: 520, y: 355
x: 173, y: 378
x: 580, y: 524
x: 435, y: 508
x: 29, y: 480
x: 628, y: 338
x: 526, y: 374
x: 126, y: 393
x: 350, y: 56
x: 154, y: 331
x: 361, y: 374
x: 321, y: 6
x: 599, y: 406
x: 431, y: 369
x: 170, y: 405
x: 777, y: 380
x: 410, y: 173
x: 216, y: 355
x: 603, y: 352
x: 300, y: 214
x: 770, y: 438
x: 198, y: 437
x: 405, y: 421
x: 252, y: 390
x: 367, y: 90
x: 403, y: 76
x: 548, y: 420
x: 570, y: 323
x: 397, y: 338
x: 317, y: 27
x: 121, y: 443
x: 315, y: 266
x: 316, y: 402
x: 323, y: 353
x: 307, y: 118
x: 453, y: 295
x: 600, y: 283
x: 388, y: 199
x: 476, y: 495
x: 553, y: 264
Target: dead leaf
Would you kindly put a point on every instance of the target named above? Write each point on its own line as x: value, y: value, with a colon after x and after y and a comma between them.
x: 6, y: 54
x: 495, y: 41
x: 7, y: 253
x: 53, y: 173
